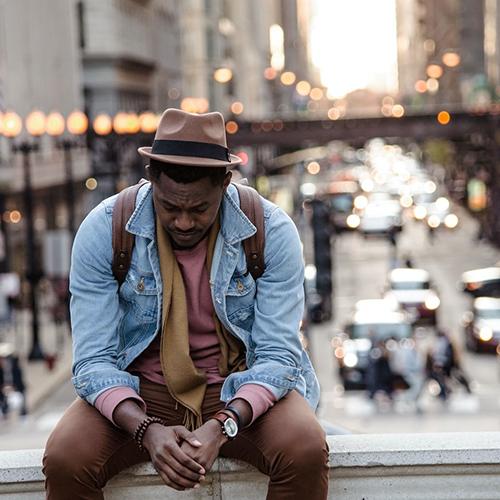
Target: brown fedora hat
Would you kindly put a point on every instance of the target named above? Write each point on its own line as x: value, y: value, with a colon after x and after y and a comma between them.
x: 192, y: 139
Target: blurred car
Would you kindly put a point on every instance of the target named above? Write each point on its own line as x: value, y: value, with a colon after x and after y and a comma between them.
x: 436, y: 213
x: 340, y: 200
x: 370, y: 322
x: 380, y: 218
x: 412, y: 289
x: 482, y: 325
x: 483, y: 282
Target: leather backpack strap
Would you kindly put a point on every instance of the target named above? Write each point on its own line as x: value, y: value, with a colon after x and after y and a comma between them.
x: 123, y: 241
x: 251, y: 205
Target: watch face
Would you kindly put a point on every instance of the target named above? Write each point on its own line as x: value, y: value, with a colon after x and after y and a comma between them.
x: 231, y: 428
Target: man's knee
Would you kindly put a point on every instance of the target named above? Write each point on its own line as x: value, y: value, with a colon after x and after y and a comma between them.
x: 305, y: 449
x: 59, y: 461
x: 310, y: 451
x: 66, y: 460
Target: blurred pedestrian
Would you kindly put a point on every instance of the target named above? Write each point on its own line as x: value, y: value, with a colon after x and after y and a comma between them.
x: 408, y: 262
x: 445, y: 364
x: 481, y: 233
x: 431, y: 230
x: 379, y: 376
x: 407, y: 363
x: 12, y: 387
x: 60, y: 304
x: 391, y: 235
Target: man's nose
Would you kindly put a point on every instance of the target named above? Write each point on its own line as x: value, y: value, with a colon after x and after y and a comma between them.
x: 184, y: 222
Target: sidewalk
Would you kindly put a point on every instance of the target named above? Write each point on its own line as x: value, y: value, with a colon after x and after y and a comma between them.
x: 40, y: 378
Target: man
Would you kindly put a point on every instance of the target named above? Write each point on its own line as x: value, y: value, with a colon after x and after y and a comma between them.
x: 190, y: 358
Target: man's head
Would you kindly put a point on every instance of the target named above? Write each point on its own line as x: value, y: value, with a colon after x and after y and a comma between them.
x: 189, y: 164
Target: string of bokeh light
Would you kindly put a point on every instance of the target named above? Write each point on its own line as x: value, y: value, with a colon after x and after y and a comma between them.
x: 123, y: 124
x: 435, y: 71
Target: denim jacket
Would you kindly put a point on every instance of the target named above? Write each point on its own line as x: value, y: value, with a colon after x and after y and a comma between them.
x: 112, y: 327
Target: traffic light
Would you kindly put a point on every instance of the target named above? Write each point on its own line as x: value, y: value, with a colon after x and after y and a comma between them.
x: 322, y: 232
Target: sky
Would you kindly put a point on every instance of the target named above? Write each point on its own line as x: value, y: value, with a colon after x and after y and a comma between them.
x: 354, y: 44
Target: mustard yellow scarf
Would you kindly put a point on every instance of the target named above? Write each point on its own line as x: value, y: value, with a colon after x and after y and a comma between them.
x: 184, y: 381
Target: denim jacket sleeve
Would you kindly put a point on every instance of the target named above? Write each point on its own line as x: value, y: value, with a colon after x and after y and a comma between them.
x: 95, y: 309
x: 275, y: 356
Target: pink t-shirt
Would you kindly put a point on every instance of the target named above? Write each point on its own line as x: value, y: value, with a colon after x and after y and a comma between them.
x: 204, y: 345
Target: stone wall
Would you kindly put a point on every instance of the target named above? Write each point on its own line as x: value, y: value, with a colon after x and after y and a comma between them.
x: 464, y: 466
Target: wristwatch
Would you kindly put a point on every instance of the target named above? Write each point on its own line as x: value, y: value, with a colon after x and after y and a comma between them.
x: 229, y: 425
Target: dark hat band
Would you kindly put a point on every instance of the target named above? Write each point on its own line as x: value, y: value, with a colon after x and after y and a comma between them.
x: 190, y: 148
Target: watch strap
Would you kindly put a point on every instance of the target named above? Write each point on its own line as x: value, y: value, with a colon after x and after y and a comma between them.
x: 221, y: 417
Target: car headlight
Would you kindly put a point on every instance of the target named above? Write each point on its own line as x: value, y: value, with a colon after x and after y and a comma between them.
x: 451, y: 221
x: 420, y: 212
x: 360, y: 202
x: 486, y: 333
x: 353, y: 221
x: 432, y: 302
x: 350, y: 359
x: 433, y: 221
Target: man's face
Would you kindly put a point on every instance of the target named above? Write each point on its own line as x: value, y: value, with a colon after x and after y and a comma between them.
x: 187, y: 211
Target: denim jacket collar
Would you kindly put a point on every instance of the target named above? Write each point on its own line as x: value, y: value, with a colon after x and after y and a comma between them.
x: 236, y: 227
x: 143, y: 220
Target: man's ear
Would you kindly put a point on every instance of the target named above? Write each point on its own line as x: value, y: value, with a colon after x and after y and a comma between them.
x: 227, y: 180
x: 149, y: 174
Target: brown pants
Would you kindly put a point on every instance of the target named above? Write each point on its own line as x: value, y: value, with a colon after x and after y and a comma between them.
x: 287, y: 443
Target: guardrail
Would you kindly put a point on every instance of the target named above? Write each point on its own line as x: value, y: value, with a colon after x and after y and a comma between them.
x: 464, y: 466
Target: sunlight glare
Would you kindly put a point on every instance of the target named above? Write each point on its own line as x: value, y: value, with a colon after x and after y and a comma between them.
x: 354, y: 50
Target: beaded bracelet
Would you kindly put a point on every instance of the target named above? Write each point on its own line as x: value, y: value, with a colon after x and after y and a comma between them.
x: 141, y: 430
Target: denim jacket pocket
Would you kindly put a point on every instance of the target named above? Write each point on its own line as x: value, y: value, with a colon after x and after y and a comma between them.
x: 140, y: 293
x: 240, y: 297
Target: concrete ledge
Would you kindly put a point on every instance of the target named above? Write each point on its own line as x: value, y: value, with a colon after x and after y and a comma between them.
x: 372, y: 467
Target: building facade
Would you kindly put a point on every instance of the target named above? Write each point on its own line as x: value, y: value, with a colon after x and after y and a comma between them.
x: 441, y: 52
x: 130, y: 52
x: 111, y: 56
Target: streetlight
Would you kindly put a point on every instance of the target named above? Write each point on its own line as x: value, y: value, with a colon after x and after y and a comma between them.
x: 77, y: 124
x: 195, y: 104
x: 35, y: 125
x: 114, y: 147
x: 148, y: 122
x: 223, y: 75
x: 102, y: 124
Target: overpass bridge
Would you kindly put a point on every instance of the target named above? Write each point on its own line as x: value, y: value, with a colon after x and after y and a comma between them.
x: 294, y: 133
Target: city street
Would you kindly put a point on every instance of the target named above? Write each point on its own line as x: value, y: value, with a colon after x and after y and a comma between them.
x: 360, y: 271
x: 370, y: 130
